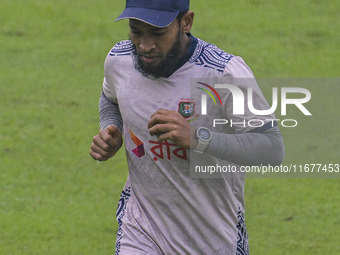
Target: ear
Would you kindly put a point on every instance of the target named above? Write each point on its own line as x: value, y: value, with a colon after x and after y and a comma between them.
x: 187, y: 22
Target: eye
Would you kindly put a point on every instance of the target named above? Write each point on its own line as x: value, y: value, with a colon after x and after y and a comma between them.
x: 135, y: 32
x: 158, y: 33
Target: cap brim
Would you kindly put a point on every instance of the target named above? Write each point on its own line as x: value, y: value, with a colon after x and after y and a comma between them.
x: 157, y: 18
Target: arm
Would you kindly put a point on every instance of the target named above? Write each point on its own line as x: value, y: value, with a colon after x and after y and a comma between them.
x: 109, y: 113
x: 248, y: 148
x: 109, y: 139
x: 242, y: 149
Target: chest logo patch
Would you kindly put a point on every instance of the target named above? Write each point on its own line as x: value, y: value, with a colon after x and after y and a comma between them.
x: 186, y: 107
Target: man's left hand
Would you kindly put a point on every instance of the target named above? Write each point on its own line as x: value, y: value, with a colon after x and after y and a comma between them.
x: 171, y: 125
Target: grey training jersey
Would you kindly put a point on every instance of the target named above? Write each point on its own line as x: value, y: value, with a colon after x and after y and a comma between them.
x: 163, y: 209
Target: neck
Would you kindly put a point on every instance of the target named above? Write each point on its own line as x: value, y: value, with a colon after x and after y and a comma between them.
x: 185, y: 41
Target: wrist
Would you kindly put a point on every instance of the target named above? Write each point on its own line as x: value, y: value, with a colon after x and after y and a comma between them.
x: 193, y: 138
x: 203, y: 136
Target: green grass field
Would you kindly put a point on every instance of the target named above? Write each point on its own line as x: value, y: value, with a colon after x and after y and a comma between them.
x: 56, y: 200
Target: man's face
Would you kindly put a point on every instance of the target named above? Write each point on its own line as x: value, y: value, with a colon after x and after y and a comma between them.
x: 157, y: 49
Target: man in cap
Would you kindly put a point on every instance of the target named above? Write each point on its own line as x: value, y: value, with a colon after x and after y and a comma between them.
x: 147, y: 96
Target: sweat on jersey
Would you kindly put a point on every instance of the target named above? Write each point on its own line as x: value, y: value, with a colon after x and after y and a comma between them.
x: 163, y: 209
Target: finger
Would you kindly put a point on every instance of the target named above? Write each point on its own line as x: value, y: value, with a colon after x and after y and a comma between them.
x: 161, y: 111
x: 161, y: 128
x: 101, y: 155
x: 104, y: 135
x: 98, y: 156
x: 156, y: 119
x: 102, y: 144
x: 111, y: 136
x: 95, y: 148
x: 167, y: 112
x: 106, y: 154
x: 176, y: 138
x: 162, y: 119
x: 167, y: 136
x: 95, y: 155
x: 116, y: 135
x: 113, y: 131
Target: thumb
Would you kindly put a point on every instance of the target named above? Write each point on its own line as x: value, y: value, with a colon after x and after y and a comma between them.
x: 113, y: 131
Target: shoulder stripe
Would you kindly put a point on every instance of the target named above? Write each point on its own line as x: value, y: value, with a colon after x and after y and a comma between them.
x: 122, y: 48
x: 210, y: 56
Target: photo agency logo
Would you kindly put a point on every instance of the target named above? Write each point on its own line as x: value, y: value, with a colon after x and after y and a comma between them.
x: 244, y: 101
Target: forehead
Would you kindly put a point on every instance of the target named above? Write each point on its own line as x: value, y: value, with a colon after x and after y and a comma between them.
x: 143, y: 25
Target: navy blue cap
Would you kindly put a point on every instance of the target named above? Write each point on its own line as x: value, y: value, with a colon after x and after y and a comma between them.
x: 158, y: 13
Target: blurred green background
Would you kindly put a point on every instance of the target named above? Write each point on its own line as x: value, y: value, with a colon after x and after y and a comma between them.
x: 54, y: 199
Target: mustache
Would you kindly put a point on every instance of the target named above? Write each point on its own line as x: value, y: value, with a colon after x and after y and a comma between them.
x: 150, y: 54
x: 167, y: 62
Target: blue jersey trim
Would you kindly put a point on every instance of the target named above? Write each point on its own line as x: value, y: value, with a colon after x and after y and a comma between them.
x: 210, y: 56
x: 199, y: 53
x: 123, y: 48
x: 121, y: 208
x: 188, y: 54
x: 242, y: 235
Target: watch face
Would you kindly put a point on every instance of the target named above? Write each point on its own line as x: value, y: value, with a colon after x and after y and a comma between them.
x: 204, y: 134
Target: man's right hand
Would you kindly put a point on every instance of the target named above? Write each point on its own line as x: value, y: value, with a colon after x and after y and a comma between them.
x: 106, y: 143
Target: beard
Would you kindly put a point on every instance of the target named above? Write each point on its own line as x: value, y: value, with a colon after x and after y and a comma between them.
x: 166, y: 67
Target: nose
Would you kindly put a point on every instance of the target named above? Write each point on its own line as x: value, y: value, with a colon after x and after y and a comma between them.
x: 147, y: 44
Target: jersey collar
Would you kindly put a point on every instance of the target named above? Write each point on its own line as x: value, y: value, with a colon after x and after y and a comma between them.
x: 190, y: 50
